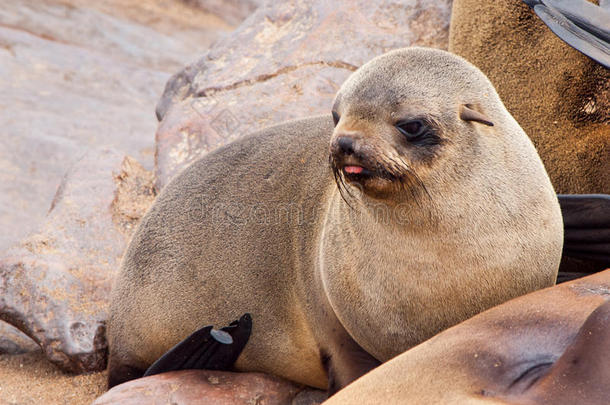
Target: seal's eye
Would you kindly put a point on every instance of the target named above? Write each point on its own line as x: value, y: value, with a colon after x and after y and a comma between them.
x: 411, y: 129
x: 336, y: 117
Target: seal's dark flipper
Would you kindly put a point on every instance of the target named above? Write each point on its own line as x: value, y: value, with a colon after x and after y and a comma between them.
x: 591, y: 18
x: 586, y: 219
x: 576, y: 37
x: 586, y: 15
x: 580, y: 24
x: 207, y: 349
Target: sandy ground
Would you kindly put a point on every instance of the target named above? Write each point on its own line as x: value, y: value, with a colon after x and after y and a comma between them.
x: 31, y: 379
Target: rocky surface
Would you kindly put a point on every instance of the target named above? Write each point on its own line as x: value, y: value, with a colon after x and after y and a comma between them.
x: 285, y: 61
x: 13, y: 341
x: 231, y: 11
x: 75, y: 75
x: 54, y: 285
x: 200, y: 387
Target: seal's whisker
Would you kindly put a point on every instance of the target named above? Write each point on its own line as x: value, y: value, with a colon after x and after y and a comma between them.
x: 419, y: 181
x: 410, y: 181
x: 339, y: 181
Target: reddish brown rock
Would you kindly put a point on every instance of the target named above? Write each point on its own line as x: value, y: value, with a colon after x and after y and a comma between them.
x: 286, y: 61
x: 202, y: 387
x: 54, y: 285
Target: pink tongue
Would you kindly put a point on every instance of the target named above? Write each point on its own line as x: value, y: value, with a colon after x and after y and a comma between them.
x: 353, y: 169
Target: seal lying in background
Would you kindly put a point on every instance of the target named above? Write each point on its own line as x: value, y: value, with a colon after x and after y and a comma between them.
x: 559, y: 96
x: 435, y: 207
x: 550, y: 347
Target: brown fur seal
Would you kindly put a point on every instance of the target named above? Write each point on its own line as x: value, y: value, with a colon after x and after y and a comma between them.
x: 443, y: 210
x: 550, y: 347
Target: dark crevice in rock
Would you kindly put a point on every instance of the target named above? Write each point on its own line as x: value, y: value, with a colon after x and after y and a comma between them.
x: 209, y: 91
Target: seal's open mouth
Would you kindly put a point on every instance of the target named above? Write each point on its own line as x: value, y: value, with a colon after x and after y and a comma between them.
x: 353, y: 169
x: 354, y: 172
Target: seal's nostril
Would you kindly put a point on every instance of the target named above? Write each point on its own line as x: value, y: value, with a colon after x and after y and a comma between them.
x: 346, y: 144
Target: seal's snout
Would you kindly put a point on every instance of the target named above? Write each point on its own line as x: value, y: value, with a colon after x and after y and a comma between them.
x: 345, y: 144
x: 348, y: 158
x: 345, y: 153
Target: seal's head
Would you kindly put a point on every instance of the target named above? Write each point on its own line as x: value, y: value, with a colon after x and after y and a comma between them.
x: 404, y: 116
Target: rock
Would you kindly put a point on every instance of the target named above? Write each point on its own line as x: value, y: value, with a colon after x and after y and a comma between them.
x: 193, y: 387
x: 12, y: 341
x: 285, y: 61
x: 54, y: 285
x: 76, y: 75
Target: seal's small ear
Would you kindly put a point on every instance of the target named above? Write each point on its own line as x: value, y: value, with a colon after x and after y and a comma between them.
x: 468, y: 114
